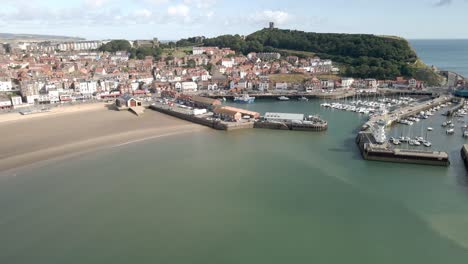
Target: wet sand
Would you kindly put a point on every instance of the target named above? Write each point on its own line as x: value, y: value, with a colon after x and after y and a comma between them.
x: 30, y: 139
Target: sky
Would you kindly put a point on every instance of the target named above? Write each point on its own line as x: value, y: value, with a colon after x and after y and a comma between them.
x: 175, y: 19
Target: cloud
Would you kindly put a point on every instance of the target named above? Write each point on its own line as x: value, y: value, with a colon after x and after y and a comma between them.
x: 96, y: 3
x: 443, y: 3
x: 179, y: 10
x: 201, y: 3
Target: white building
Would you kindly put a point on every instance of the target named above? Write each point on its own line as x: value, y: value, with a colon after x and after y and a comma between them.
x: 16, y: 100
x: 86, y: 87
x: 281, y: 86
x: 5, y: 102
x: 263, y: 86
x: 198, y: 50
x: 327, y: 84
x: 228, y: 63
x: 6, y: 86
x: 347, y: 82
x: 213, y: 87
x: 185, y: 87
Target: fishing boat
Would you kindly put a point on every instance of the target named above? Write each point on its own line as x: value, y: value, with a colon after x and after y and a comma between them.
x: 244, y: 99
x: 283, y: 98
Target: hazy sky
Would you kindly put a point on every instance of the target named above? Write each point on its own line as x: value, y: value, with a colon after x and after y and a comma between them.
x: 174, y: 19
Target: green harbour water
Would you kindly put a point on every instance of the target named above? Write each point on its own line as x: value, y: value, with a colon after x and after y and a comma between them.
x: 253, y: 196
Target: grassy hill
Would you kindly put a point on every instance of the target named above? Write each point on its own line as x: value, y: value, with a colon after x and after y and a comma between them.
x: 358, y: 55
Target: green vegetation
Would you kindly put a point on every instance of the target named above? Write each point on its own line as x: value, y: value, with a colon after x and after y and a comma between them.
x: 116, y: 45
x: 300, y: 54
x: 361, y: 56
x: 135, y: 53
x: 289, y: 78
x: 190, y: 42
x: 179, y: 52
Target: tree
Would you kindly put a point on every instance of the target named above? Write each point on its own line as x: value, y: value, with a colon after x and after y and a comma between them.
x: 191, y: 64
x: 116, y: 45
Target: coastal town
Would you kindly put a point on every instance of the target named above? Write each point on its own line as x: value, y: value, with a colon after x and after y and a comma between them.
x: 193, y: 82
x: 34, y: 74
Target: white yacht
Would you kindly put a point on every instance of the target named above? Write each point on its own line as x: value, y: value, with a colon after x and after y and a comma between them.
x: 414, y: 143
x: 427, y: 144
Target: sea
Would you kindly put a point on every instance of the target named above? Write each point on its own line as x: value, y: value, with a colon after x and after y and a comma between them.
x: 252, y: 196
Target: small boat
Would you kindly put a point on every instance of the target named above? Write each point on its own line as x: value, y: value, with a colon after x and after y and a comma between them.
x: 450, y: 131
x: 303, y: 99
x: 465, y: 134
x: 430, y: 129
x: 245, y: 99
x: 283, y: 98
x: 224, y: 99
x: 444, y: 124
x: 414, y: 143
x: 427, y: 144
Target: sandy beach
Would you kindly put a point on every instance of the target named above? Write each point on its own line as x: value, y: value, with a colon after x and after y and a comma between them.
x: 72, y: 130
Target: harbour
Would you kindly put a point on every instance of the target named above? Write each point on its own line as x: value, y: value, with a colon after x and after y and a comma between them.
x: 385, y: 112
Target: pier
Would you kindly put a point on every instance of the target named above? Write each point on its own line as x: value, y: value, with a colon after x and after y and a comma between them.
x: 464, y: 154
x: 370, y: 150
x: 203, y: 120
x: 460, y: 105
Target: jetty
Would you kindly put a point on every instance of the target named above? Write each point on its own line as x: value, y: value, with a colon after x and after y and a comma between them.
x: 285, y: 121
x: 454, y: 109
x: 371, y: 150
x: 405, y: 112
x: 202, y: 119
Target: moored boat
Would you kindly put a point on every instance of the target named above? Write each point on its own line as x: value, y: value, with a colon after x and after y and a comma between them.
x: 244, y: 99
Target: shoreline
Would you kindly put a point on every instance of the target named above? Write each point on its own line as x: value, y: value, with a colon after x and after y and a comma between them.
x: 55, y: 111
x: 60, y: 136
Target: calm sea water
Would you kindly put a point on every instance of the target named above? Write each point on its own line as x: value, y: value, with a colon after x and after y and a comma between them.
x: 445, y: 54
x: 256, y: 196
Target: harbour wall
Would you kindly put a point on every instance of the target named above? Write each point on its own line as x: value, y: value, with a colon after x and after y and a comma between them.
x: 385, y: 153
x: 464, y: 154
x: 218, y: 125
x: 291, y: 126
